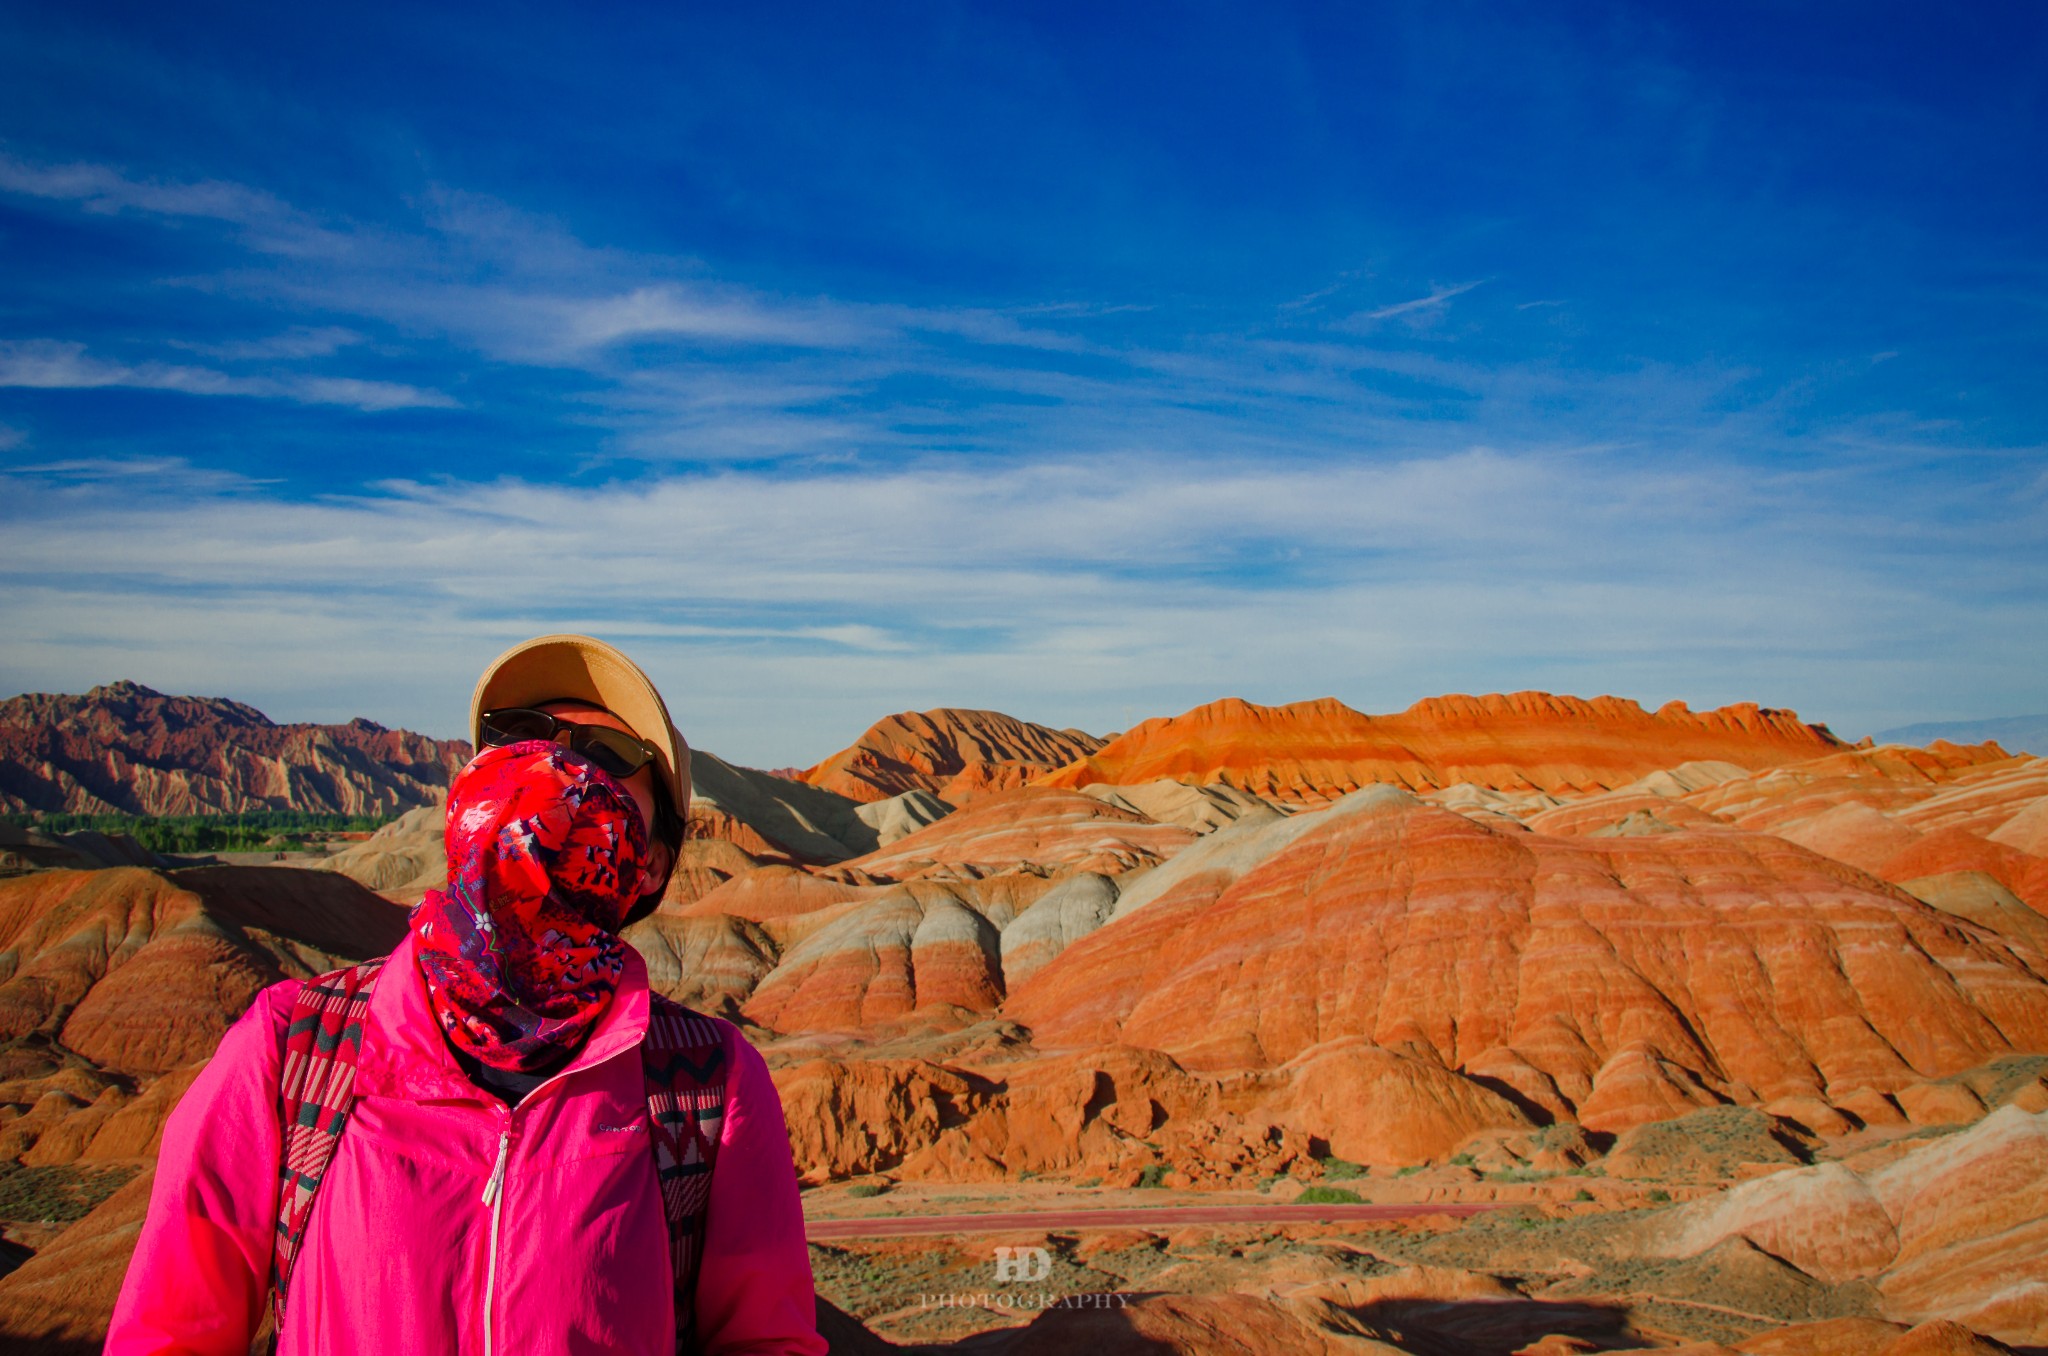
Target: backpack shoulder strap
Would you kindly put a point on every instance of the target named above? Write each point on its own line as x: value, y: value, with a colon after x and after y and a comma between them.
x: 685, y: 1064
x: 316, y: 1089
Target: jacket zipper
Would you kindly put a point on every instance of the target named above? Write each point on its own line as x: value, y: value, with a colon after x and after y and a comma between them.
x: 494, y: 1197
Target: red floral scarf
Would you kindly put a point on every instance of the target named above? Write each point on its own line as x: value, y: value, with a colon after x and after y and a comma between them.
x: 545, y: 857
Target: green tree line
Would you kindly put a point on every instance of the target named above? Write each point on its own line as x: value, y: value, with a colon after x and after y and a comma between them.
x: 183, y: 834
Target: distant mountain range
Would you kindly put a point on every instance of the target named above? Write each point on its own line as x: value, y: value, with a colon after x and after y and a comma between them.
x: 2015, y: 734
x: 126, y: 749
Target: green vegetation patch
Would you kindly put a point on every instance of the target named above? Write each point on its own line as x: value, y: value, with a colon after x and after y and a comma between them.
x: 1700, y: 1292
x: 1517, y: 1175
x: 1996, y: 1083
x: 1327, y: 1195
x: 1715, y: 1140
x: 185, y: 834
x: 60, y: 1194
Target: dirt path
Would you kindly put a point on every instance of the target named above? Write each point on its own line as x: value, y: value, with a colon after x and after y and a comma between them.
x: 1140, y: 1217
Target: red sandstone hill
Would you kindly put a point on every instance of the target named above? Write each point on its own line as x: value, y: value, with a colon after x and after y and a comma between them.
x: 1031, y: 827
x: 1612, y: 980
x: 1314, y: 751
x: 952, y: 753
x: 141, y: 971
x: 125, y: 749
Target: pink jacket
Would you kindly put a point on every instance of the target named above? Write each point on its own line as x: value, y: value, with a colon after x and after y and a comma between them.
x: 403, y: 1254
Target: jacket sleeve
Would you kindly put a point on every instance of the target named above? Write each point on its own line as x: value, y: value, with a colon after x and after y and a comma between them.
x: 200, y: 1276
x: 754, y: 1295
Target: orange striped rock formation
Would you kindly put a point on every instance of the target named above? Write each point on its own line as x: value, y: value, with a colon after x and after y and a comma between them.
x: 1615, y: 980
x: 954, y: 754
x: 1037, y: 827
x: 141, y: 971
x: 1314, y: 751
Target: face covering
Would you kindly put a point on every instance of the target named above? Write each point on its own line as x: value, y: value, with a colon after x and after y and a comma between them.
x: 545, y: 856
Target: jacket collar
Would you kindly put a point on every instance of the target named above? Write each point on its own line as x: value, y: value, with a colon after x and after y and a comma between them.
x: 405, y: 1055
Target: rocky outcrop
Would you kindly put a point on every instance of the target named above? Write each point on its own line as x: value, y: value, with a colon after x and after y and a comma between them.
x: 29, y: 849
x: 1317, y: 750
x: 125, y: 749
x: 61, y: 1298
x: 707, y: 961
x: 2001, y: 802
x: 1956, y: 1230
x: 900, y: 816
x: 402, y: 860
x: 770, y: 816
x: 887, y: 957
x: 1375, y: 1106
x: 775, y: 891
x: 1062, y: 916
x: 848, y: 1117
x: 1036, y: 828
x: 1203, y: 809
x: 954, y: 754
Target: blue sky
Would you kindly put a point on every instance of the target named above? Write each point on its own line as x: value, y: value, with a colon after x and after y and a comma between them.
x: 1083, y: 362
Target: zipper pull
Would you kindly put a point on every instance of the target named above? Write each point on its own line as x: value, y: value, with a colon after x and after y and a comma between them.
x: 496, y: 1186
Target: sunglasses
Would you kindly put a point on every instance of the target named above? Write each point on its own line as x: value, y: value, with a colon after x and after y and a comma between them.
x: 615, y: 751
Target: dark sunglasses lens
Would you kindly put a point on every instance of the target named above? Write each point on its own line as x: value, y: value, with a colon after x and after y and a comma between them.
x: 613, y: 750
x: 510, y: 727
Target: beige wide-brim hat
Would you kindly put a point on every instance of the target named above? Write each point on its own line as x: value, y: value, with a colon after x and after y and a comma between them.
x: 584, y: 669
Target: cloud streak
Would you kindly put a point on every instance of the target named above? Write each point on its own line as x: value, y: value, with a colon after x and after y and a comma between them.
x: 267, y: 222
x: 794, y: 609
x: 1435, y: 301
x: 56, y: 365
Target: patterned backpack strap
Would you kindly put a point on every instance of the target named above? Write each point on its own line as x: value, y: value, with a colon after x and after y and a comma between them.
x: 316, y: 1089
x: 684, y: 1059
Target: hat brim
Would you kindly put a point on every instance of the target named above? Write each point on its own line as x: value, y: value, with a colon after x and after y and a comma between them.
x: 585, y: 669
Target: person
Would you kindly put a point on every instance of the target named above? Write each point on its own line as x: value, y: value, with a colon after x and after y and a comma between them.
x: 491, y: 1186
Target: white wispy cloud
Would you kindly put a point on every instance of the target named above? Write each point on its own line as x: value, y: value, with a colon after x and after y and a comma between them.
x: 1434, y: 301
x: 723, y: 316
x: 1307, y: 300
x: 52, y: 364
x: 300, y: 341
x: 154, y: 477
x: 784, y: 612
x: 102, y: 188
x: 268, y: 223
